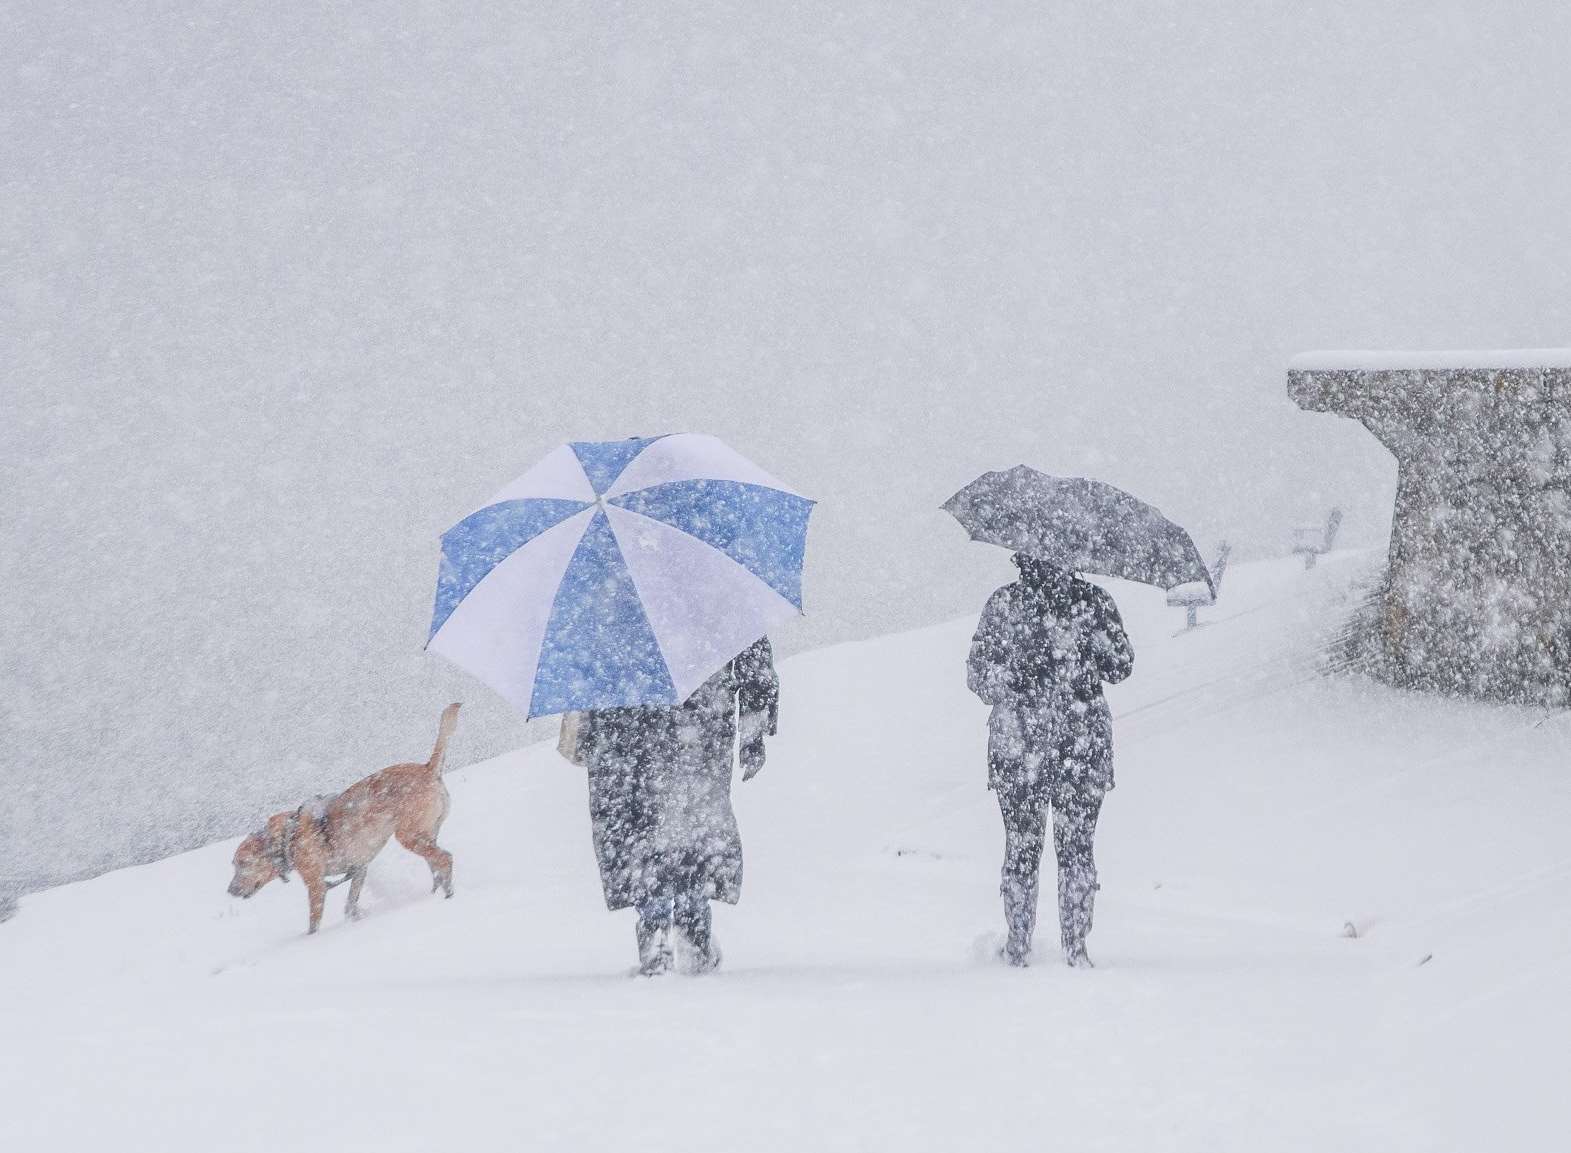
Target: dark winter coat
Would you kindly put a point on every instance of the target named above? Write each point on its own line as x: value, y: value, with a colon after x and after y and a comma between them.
x: 1041, y: 652
x: 660, y: 784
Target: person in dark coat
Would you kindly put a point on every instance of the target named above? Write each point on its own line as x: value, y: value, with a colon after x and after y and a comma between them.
x: 665, y: 835
x: 1042, y: 650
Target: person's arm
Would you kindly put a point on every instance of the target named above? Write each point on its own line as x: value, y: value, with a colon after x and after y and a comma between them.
x: 987, y: 666
x: 758, y: 703
x: 1110, y: 647
x: 758, y: 685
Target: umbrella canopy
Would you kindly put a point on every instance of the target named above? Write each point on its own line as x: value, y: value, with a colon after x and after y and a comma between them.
x: 1079, y: 524
x: 619, y: 573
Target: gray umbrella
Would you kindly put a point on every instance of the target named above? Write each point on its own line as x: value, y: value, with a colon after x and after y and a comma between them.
x: 1077, y: 524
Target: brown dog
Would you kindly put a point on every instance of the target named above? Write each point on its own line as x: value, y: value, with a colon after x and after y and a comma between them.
x: 340, y: 835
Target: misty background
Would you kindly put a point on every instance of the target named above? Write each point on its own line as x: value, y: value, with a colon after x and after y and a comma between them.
x: 286, y: 290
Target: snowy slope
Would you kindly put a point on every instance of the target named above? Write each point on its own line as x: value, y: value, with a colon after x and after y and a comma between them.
x: 1260, y: 807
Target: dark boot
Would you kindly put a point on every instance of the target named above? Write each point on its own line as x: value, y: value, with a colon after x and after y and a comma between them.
x: 1076, y: 902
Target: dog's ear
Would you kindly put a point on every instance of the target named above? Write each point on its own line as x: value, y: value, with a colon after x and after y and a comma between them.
x: 275, y: 843
x: 281, y: 857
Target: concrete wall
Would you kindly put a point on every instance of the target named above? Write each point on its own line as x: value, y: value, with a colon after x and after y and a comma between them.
x: 1477, y: 595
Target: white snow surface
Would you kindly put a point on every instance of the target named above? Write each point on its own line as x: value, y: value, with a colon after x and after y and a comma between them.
x: 1369, y: 360
x: 1261, y: 806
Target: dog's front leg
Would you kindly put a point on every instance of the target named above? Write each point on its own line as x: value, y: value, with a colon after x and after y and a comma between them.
x: 356, y: 882
x: 317, y: 892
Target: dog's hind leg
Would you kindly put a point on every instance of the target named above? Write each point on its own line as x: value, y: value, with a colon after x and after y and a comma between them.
x: 317, y: 893
x: 440, y: 860
x: 356, y: 882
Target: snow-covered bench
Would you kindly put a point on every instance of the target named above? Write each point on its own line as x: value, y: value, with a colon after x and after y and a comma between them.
x: 1309, y: 541
x: 1197, y: 595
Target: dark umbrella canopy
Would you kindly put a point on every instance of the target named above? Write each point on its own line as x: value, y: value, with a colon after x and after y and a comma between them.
x: 1078, y: 524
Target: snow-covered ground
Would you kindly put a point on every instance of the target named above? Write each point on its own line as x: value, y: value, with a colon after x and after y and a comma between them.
x: 1260, y: 807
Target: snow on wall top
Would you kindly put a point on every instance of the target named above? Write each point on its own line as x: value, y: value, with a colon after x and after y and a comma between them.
x: 1349, y: 360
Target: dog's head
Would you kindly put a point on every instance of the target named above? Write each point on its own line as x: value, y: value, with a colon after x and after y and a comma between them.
x: 261, y: 857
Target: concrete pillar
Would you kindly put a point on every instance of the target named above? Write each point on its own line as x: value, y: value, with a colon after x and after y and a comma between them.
x: 1477, y: 594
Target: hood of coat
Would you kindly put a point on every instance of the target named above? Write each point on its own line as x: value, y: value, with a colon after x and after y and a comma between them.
x: 1049, y: 580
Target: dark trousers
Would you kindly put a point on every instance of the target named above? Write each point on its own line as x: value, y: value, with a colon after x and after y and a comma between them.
x: 687, y: 910
x: 680, y: 899
x: 1025, y: 812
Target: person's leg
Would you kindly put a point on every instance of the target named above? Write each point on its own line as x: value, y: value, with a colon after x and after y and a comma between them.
x: 1025, y: 826
x: 691, y: 914
x: 654, y: 934
x: 1074, y: 831
x: 694, y: 921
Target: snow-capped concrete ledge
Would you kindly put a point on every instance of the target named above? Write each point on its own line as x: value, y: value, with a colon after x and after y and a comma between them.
x: 1449, y: 386
x: 1477, y: 360
x: 1477, y: 596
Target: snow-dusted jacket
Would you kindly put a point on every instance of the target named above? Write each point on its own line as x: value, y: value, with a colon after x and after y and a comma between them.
x: 1041, y: 652
x: 660, y: 784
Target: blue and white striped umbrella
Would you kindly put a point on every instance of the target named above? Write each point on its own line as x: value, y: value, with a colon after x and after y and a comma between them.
x: 620, y: 572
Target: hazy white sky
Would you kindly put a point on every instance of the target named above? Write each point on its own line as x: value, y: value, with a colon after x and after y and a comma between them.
x: 285, y: 290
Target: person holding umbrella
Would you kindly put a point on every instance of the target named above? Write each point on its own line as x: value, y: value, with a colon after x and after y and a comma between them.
x: 1043, y: 649
x: 629, y: 585
x: 665, y: 835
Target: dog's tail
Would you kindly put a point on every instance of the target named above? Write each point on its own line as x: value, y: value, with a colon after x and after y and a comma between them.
x: 444, y: 730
